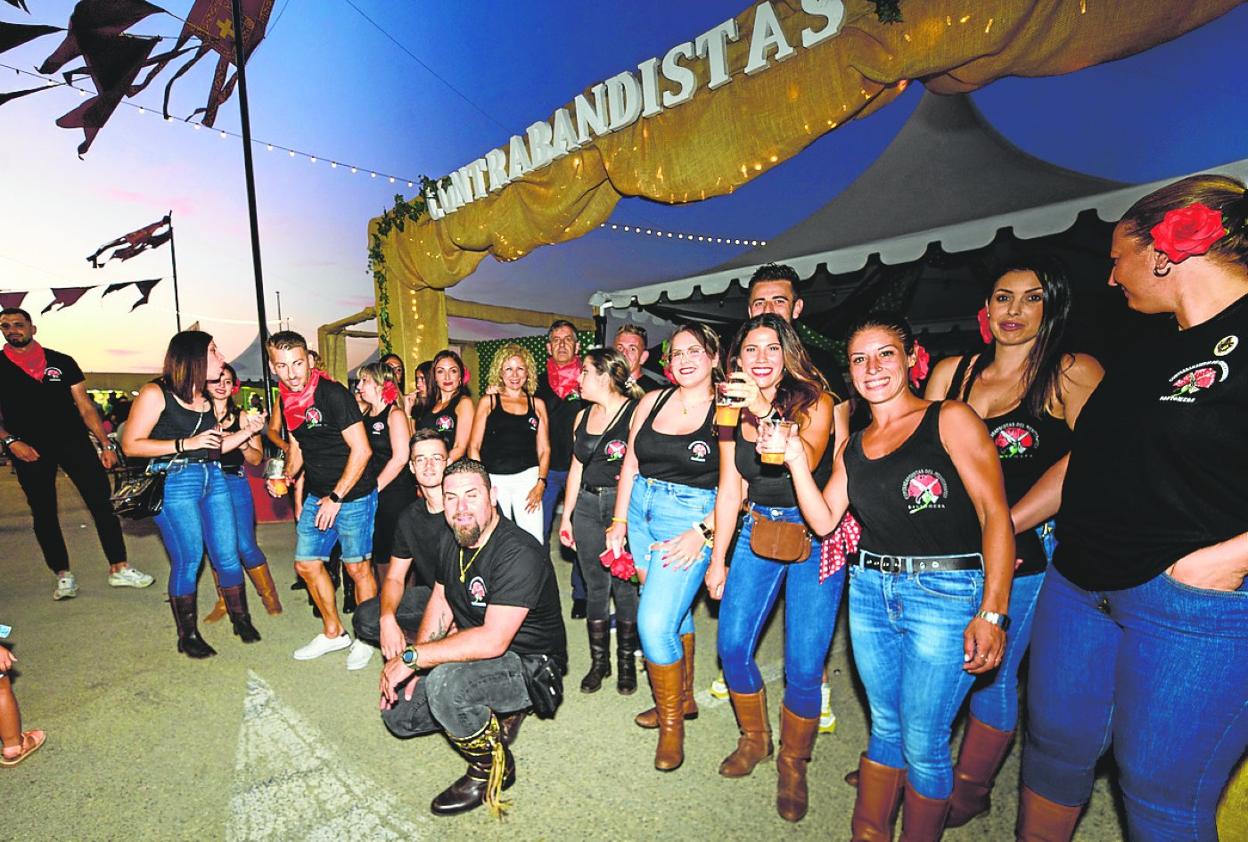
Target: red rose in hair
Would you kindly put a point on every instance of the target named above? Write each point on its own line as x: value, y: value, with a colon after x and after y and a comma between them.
x: 985, y: 330
x: 1187, y: 231
x: 922, y: 361
x: 389, y: 392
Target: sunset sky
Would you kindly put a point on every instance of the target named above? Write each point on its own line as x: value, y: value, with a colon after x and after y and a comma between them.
x: 328, y: 82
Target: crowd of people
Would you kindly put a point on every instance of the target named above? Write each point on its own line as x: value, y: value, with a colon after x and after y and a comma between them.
x: 1017, y: 498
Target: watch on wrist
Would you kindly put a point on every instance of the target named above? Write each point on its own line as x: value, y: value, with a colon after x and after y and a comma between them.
x: 708, y: 534
x: 333, y: 497
x: 410, y: 657
x: 8, y: 442
x: 1001, y: 621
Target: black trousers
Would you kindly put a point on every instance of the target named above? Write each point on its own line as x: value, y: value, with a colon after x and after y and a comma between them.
x: 458, y: 698
x: 411, y: 610
x: 82, y: 465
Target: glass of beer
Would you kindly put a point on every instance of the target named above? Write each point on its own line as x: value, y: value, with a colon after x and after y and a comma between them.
x: 727, y: 407
x: 774, y: 434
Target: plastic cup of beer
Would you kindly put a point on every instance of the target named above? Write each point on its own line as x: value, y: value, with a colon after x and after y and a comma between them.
x: 775, y: 434
x: 727, y: 407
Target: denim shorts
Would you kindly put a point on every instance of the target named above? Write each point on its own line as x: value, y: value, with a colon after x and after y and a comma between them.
x: 353, y: 528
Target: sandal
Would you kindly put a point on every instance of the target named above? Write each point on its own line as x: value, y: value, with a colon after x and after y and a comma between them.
x: 31, y: 740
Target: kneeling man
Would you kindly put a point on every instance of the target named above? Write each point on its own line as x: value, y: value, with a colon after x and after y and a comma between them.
x: 491, y: 630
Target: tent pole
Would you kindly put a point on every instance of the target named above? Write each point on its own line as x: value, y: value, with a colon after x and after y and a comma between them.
x: 173, y: 258
x: 249, y: 174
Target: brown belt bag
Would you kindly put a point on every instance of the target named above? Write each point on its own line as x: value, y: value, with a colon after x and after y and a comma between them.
x: 779, y: 540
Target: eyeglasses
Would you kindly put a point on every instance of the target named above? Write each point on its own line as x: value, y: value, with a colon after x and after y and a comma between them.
x: 693, y: 353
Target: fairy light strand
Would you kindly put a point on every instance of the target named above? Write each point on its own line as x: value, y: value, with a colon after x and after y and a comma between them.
x: 708, y: 239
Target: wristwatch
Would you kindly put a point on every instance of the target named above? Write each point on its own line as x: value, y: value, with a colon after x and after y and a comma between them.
x: 411, y: 657
x: 1001, y: 621
x: 333, y: 497
x: 708, y: 534
x: 9, y: 441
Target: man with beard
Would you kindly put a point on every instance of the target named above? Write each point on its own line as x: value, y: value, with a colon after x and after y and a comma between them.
x: 490, y: 631
x: 560, y: 389
x: 46, y: 415
x: 392, y: 619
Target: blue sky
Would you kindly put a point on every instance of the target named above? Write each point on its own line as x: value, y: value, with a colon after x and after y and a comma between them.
x: 326, y: 81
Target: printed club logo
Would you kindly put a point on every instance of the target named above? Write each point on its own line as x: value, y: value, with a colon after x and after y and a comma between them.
x: 532, y: 423
x: 1015, y: 441
x: 52, y: 374
x: 698, y: 451
x: 924, y: 489
x: 476, y: 589
x: 379, y: 426
x: 615, y: 450
x: 1186, y: 384
x: 313, y: 417
x: 443, y: 424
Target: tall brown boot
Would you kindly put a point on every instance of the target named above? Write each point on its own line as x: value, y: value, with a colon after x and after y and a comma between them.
x: 922, y: 819
x: 667, y: 682
x: 984, y: 749
x: 879, y: 795
x: 754, y: 744
x: 189, y: 641
x: 262, y: 580
x: 218, y: 610
x: 797, y: 737
x: 1042, y: 820
x: 650, y: 718
x: 236, y: 604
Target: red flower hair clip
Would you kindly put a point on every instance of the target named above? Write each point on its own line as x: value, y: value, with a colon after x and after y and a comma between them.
x: 389, y: 392
x: 985, y: 329
x: 922, y: 362
x: 1185, y: 232
x: 236, y: 388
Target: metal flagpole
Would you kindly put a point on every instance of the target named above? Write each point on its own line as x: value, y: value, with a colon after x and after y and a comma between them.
x: 173, y: 256
x: 257, y: 270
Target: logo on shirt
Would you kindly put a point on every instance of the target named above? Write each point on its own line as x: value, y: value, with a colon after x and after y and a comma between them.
x: 1015, y: 441
x: 533, y: 423
x: 615, y: 450
x: 379, y: 426
x: 924, y: 489
x: 476, y: 589
x: 443, y: 424
x: 698, y: 451
x: 313, y: 417
x: 1187, y: 383
x: 1225, y: 345
x: 52, y: 374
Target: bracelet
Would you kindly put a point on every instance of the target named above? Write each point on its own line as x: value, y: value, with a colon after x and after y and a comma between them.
x: 177, y: 445
x: 622, y: 520
x: 542, y: 479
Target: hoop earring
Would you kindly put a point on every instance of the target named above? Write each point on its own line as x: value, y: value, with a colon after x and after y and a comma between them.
x: 1160, y: 274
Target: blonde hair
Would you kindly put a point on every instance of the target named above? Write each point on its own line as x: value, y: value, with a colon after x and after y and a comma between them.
x: 494, y: 376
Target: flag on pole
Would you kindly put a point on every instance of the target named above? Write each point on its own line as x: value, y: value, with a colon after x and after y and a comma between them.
x: 65, y: 297
x: 134, y: 243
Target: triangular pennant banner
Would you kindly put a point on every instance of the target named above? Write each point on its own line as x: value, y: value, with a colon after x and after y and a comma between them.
x: 212, y: 22
x: 11, y: 95
x: 145, y: 287
x: 66, y: 297
x: 18, y: 4
x: 115, y: 287
x: 16, y: 34
x: 12, y: 299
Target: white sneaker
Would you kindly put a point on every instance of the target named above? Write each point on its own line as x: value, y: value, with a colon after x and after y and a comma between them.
x: 128, y: 577
x: 322, y: 645
x: 66, y: 587
x: 719, y: 687
x: 359, y: 656
x: 827, y: 719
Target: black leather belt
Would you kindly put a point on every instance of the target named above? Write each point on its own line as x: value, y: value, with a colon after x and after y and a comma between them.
x: 919, y: 564
x: 597, y: 489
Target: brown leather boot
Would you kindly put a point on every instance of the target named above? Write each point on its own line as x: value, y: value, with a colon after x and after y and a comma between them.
x: 1042, y: 820
x: 650, y: 718
x: 218, y: 610
x: 667, y: 682
x: 262, y: 580
x: 754, y: 744
x: 922, y: 819
x: 984, y: 749
x: 189, y: 641
x: 491, y: 769
x: 797, y: 737
x: 879, y: 795
x: 236, y: 604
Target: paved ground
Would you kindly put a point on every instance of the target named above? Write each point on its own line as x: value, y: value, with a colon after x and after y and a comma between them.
x: 147, y: 744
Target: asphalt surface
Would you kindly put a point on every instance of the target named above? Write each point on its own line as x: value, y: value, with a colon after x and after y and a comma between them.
x: 144, y: 743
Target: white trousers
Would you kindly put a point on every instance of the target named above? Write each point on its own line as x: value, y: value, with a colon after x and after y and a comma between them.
x: 513, y: 489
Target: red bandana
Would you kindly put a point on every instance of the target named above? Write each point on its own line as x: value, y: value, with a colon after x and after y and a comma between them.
x: 563, y: 378
x: 295, y: 405
x: 838, y: 546
x: 32, y: 361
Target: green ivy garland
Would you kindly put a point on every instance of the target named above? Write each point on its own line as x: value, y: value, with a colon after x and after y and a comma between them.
x: 888, y: 11
x: 395, y: 218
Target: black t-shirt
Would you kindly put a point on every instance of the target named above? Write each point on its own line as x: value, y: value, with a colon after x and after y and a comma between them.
x: 511, y: 569
x: 42, y: 412
x: 602, y: 456
x: 562, y: 415
x: 1159, y: 457
x: 420, y: 535
x: 325, y: 451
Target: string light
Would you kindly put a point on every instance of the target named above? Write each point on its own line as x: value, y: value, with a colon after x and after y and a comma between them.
x: 679, y: 235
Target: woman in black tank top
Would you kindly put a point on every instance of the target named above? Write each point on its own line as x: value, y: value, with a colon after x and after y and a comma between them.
x: 510, y: 436
x: 665, y: 512
x: 600, y: 441
x: 929, y: 593
x: 446, y: 407
x: 172, y: 424
x: 1029, y: 393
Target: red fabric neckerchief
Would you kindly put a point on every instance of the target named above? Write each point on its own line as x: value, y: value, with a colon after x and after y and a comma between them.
x: 295, y: 405
x: 563, y: 378
x: 33, y: 360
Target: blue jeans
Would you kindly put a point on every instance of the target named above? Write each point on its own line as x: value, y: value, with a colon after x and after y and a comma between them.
x: 1161, y: 672
x: 353, y: 528
x: 552, y: 495
x: 994, y: 697
x: 906, y: 630
x: 197, y: 511
x: 245, y: 519
x: 658, y: 511
x: 809, y: 617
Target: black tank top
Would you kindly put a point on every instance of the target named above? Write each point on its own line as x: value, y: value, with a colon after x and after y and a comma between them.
x: 772, y: 485
x: 602, y: 455
x: 911, y: 502
x: 690, y: 459
x: 232, y: 462
x: 178, y: 422
x: 442, y: 422
x: 379, y: 439
x: 510, y: 442
x: 1027, y: 446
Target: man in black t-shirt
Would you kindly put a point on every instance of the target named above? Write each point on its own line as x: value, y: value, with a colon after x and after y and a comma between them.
x: 630, y: 340
x: 392, y: 620
x: 329, y: 446
x: 46, y: 415
x: 491, y: 630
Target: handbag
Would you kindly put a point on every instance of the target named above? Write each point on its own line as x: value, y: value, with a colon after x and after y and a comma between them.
x: 138, y: 496
x: 544, y: 680
x: 779, y: 540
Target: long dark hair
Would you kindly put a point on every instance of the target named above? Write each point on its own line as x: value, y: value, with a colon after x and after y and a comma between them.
x: 611, y: 362
x: 231, y: 408
x: 433, y: 393
x: 1042, y: 376
x: 802, y: 384
x: 185, y: 372
x: 401, y: 376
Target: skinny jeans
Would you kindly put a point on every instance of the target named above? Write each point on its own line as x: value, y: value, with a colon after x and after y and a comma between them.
x: 197, y: 511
